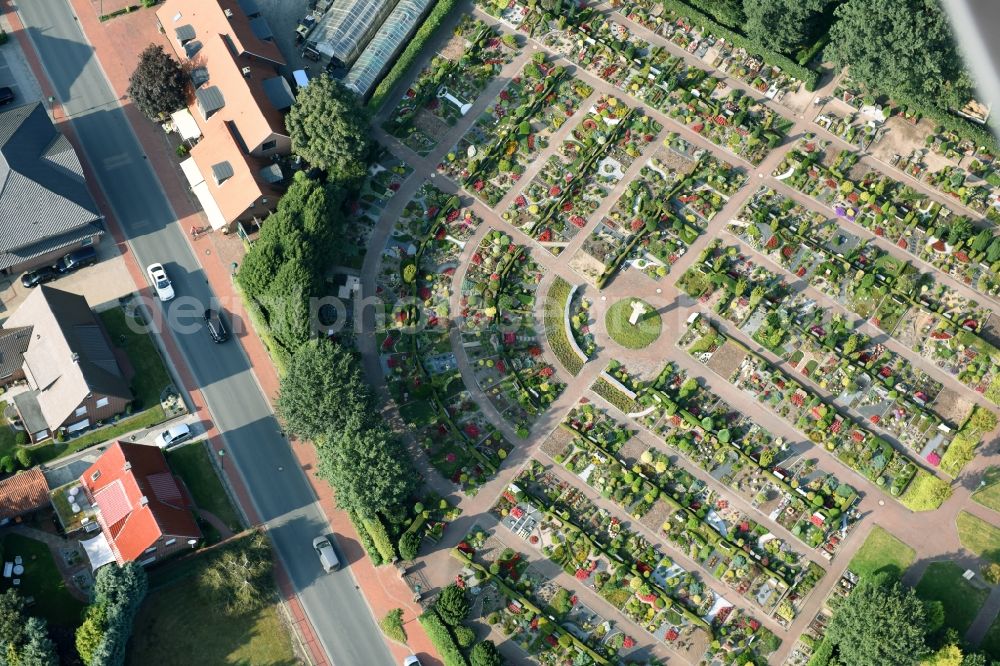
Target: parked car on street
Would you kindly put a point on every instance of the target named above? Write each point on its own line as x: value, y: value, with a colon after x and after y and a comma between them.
x: 158, y: 277
x: 39, y: 276
x: 411, y: 661
x: 173, y: 436
x: 215, y: 326
x: 327, y: 556
x: 74, y: 261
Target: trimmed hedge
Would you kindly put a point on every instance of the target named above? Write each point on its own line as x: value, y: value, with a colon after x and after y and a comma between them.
x: 366, y: 539
x: 376, y: 530
x: 442, y: 639
x: 964, y: 128
x: 787, y: 65
x: 433, y: 21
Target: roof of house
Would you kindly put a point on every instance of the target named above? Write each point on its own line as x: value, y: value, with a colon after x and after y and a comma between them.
x: 68, y: 354
x: 138, y: 499
x: 13, y: 344
x: 43, y: 193
x: 228, y: 46
x: 23, y: 492
x: 244, y: 186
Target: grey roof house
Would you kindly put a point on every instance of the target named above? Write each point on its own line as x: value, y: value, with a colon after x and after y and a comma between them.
x: 73, y: 376
x: 46, y: 209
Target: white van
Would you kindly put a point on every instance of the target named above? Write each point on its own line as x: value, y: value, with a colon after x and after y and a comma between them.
x: 327, y: 556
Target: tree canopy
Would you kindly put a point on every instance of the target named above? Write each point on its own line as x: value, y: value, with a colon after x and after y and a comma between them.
x: 238, y: 579
x: 329, y: 129
x: 452, y: 605
x: 783, y: 25
x: 321, y: 389
x: 287, y: 264
x: 158, y: 86
x: 24, y: 640
x: 880, y: 622
x: 485, y: 653
x: 902, y: 48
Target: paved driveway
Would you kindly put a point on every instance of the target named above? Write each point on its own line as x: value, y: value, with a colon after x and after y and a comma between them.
x: 280, y: 491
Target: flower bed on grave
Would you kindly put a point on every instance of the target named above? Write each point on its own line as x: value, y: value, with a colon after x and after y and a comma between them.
x: 446, y: 88
x: 852, y: 442
x: 421, y: 370
x: 898, y: 213
x: 492, y: 156
x: 558, y: 201
x: 497, y: 304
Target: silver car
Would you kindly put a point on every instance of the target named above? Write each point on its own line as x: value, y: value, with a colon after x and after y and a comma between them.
x: 327, y: 556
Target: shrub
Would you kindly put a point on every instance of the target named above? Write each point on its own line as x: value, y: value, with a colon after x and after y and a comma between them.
x: 380, y: 538
x: 392, y: 625
x: 23, y: 456
x: 485, y: 653
x: 439, y: 635
x: 991, y: 572
x: 366, y: 539
x: 464, y: 636
x: 409, y: 545
x: 21, y: 438
x: 452, y: 605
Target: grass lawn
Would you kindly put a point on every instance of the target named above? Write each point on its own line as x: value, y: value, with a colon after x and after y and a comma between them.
x: 989, y: 496
x: 637, y: 336
x: 53, y: 449
x: 174, y: 624
x: 151, y: 375
x: 192, y: 464
x: 881, y: 551
x: 961, y: 599
x: 41, y: 580
x: 991, y: 641
x: 979, y: 536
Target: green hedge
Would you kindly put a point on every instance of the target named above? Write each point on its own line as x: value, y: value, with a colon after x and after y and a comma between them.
x: 366, y: 539
x: 963, y: 127
x: 433, y: 21
x: 787, y: 65
x: 376, y: 530
x: 442, y: 639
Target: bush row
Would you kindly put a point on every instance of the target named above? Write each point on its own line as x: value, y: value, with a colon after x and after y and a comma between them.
x: 438, y: 632
x: 966, y: 129
x: 555, y: 326
x: 441, y: 10
x: 376, y: 530
x: 787, y: 65
x: 366, y: 539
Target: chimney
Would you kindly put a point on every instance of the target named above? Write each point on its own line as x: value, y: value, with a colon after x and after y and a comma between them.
x: 143, y: 501
x: 76, y: 357
x: 246, y: 72
x: 127, y: 466
x: 229, y: 13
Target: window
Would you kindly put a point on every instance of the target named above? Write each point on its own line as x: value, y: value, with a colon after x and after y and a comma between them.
x: 102, y: 402
x: 169, y: 542
x: 87, y: 241
x: 96, y: 475
x: 81, y: 410
x: 150, y: 549
x: 269, y: 145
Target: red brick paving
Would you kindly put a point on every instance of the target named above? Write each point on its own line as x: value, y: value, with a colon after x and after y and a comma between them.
x: 116, y: 44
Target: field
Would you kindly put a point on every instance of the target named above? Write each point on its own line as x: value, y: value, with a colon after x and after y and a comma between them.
x: 191, y: 463
x: 961, y: 599
x: 979, y: 536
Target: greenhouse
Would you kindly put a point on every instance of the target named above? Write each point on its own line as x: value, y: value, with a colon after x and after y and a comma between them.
x: 347, y: 27
x: 384, y: 46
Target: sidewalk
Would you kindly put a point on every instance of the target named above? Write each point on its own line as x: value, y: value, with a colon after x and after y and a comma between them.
x: 116, y: 44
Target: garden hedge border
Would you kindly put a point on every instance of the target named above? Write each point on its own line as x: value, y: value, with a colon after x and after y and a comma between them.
x: 555, y: 329
x: 808, y: 76
x: 441, y: 10
x: 441, y: 638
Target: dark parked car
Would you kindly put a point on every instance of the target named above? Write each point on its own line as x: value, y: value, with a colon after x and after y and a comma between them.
x: 39, y: 276
x: 6, y: 95
x: 74, y: 261
x: 215, y: 326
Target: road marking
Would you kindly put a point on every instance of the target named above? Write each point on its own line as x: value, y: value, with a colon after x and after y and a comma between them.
x: 116, y: 161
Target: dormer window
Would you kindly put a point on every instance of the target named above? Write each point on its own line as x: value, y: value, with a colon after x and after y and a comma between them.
x: 209, y: 100
x: 199, y: 76
x: 222, y: 172
x: 184, y: 34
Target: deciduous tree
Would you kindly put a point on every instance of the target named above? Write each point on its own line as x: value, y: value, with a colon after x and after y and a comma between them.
x: 329, y: 129
x: 158, y: 86
x: 881, y: 622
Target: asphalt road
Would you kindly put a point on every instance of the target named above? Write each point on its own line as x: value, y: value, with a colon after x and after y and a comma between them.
x: 280, y: 490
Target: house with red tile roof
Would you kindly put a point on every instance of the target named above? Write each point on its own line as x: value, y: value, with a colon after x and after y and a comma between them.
x: 23, y: 493
x: 143, y: 511
x: 237, y: 106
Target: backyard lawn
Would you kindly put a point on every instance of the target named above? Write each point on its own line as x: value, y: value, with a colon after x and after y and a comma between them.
x: 174, y: 624
x: 979, y: 536
x: 633, y: 336
x: 989, y: 496
x: 151, y: 375
x: 961, y: 599
x: 882, y: 551
x: 41, y: 580
x: 192, y: 464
